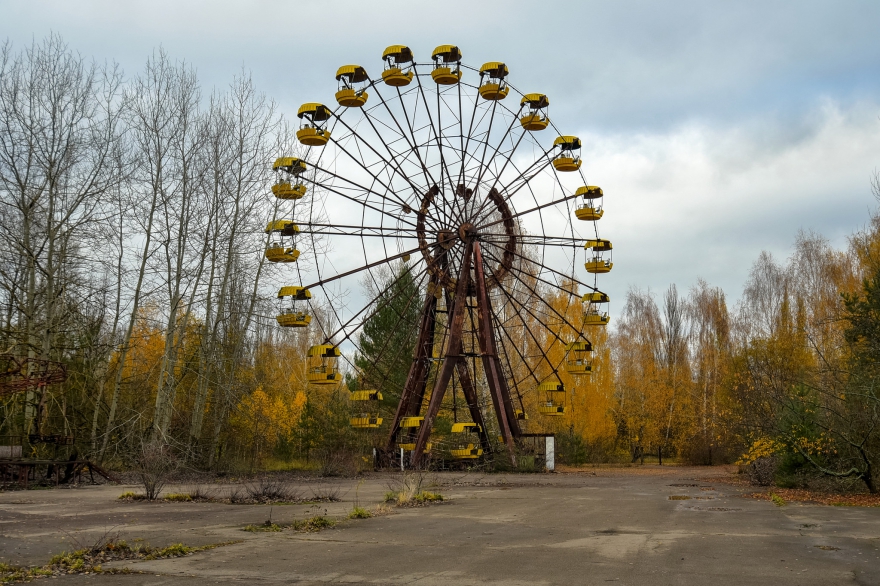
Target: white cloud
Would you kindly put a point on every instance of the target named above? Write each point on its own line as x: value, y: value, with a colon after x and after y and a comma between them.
x: 703, y: 201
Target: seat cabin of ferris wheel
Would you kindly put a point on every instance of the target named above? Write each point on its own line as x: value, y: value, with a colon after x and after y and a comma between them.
x: 281, y: 244
x: 314, y: 117
x: 370, y: 419
x: 535, y: 118
x: 577, y: 358
x: 600, y: 262
x: 466, y: 452
x: 553, y: 403
x: 492, y: 83
x: 366, y: 421
x: 447, y: 65
x: 568, y: 155
x: 467, y: 427
x: 353, y: 83
x: 398, y: 66
x: 591, y: 208
x: 289, y: 316
x: 322, y: 365
x: 594, y: 314
x: 286, y: 169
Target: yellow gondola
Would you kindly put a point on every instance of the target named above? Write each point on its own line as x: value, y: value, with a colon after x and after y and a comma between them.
x: 569, y: 156
x: 520, y: 414
x: 554, y: 404
x: 284, y: 190
x: 353, y: 82
x: 598, y: 265
x: 495, y: 87
x: 397, y: 58
x: 444, y: 72
x: 367, y: 395
x: 536, y: 116
x: 590, y: 210
x: 277, y: 252
x: 594, y: 317
x: 411, y: 421
x: 366, y: 421
x: 290, y: 317
x: 292, y: 165
x: 281, y: 246
x: 466, y: 427
x: 593, y: 314
x: 322, y: 365
x: 468, y: 452
x: 598, y: 245
x: 311, y: 131
x: 577, y: 360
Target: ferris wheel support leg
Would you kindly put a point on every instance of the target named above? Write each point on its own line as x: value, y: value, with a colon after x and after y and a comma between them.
x: 510, y: 431
x: 470, y: 395
x: 453, y: 342
x: 414, y: 388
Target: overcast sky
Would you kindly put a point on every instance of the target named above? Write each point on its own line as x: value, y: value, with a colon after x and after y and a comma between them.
x: 716, y: 131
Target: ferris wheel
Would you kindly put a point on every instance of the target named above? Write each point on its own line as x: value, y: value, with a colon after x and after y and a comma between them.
x: 449, y: 180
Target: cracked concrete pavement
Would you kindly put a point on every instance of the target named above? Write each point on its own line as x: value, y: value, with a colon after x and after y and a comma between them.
x: 594, y: 527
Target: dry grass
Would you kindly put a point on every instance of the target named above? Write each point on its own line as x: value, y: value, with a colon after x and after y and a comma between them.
x: 799, y: 495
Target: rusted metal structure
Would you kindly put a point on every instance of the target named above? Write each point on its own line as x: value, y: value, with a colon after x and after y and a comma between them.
x: 442, y: 171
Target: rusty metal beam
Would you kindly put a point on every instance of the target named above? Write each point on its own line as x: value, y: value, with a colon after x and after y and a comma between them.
x: 491, y: 363
x: 450, y: 358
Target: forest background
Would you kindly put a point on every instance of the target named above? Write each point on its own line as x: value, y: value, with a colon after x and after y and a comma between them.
x: 131, y: 217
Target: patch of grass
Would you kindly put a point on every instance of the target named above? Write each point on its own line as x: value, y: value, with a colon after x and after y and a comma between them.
x: 359, y: 513
x: 132, y: 496
x: 268, y: 526
x: 87, y: 560
x: 175, y: 550
x: 427, y: 497
x: 679, y: 497
x: 391, y: 496
x: 11, y: 574
x: 777, y: 500
x: 313, y: 525
x: 178, y: 497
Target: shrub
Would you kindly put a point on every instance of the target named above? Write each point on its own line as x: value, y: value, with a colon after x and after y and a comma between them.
x: 359, y: 513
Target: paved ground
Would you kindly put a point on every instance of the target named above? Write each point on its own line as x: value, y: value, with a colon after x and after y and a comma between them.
x: 618, y: 526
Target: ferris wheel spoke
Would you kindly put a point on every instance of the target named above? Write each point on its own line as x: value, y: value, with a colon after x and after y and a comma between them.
x: 541, y: 297
x: 507, y: 158
x: 388, y: 164
x: 322, y: 282
x: 375, y: 177
x: 531, y: 210
x: 444, y: 170
x: 513, y: 344
x: 331, y: 189
x: 343, y: 328
x: 552, y: 270
x: 410, y: 143
x: 538, y: 345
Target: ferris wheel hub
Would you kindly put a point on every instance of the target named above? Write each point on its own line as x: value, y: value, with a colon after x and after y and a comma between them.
x: 467, y: 231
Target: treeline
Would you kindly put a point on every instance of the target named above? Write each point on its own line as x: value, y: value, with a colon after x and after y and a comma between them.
x: 131, y: 219
x: 783, y: 382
